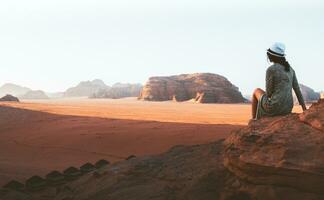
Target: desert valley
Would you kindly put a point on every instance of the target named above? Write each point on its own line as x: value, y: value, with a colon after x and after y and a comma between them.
x: 123, y: 124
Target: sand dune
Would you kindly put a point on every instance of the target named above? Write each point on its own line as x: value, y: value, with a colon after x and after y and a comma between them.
x: 40, y: 136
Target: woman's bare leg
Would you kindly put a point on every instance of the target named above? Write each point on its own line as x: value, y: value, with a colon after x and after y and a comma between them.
x: 255, y: 99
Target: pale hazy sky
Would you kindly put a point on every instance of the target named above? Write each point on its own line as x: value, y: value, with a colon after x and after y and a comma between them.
x: 52, y: 45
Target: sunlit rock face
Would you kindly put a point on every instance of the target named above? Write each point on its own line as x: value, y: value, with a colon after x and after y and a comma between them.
x: 199, y: 87
x: 281, y: 156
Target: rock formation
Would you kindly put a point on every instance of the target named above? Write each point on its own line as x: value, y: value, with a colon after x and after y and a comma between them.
x: 119, y: 90
x: 34, y: 94
x: 308, y: 93
x: 71, y: 173
x: 202, y: 87
x: 35, y: 183
x: 280, y: 157
x: 87, y: 167
x: 55, y: 178
x: 101, y: 163
x: 12, y: 89
x: 272, y: 158
x: 85, y: 88
x: 9, y: 97
x: 14, y: 185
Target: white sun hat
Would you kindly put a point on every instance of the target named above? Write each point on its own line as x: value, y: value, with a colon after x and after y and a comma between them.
x: 277, y: 49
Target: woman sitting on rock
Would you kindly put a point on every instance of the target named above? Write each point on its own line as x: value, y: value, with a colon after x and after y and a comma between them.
x: 280, y: 80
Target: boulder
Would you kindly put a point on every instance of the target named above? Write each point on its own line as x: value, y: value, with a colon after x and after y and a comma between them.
x: 101, y: 163
x: 55, y: 178
x: 9, y: 97
x: 35, y: 183
x: 130, y: 157
x: 87, y: 167
x: 281, y: 155
x: 14, y: 185
x: 200, y: 87
x: 71, y: 173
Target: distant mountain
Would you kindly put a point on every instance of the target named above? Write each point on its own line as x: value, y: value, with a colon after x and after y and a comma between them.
x: 85, y: 88
x: 34, y: 94
x: 13, y: 89
x: 308, y: 93
x: 55, y: 95
x: 119, y: 90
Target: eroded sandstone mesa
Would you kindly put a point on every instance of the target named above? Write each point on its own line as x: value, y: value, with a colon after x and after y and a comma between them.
x: 280, y: 157
x: 201, y: 87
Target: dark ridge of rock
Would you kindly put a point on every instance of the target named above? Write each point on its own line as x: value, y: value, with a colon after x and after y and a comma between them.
x: 201, y: 87
x: 272, y: 158
x: 130, y: 157
x: 119, y: 90
x: 101, y: 163
x: 184, y: 172
x: 85, y: 88
x: 35, y: 183
x: 9, y: 97
x: 34, y: 94
x: 308, y: 93
x: 87, y: 167
x: 14, y: 185
x: 71, y: 173
x: 55, y: 178
x: 13, y: 89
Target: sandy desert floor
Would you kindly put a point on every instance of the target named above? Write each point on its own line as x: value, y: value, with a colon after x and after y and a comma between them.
x: 40, y: 136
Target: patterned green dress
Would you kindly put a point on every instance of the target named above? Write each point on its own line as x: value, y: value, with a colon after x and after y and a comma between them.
x: 278, y: 99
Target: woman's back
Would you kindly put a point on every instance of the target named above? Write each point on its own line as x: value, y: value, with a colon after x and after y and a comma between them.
x: 279, y: 85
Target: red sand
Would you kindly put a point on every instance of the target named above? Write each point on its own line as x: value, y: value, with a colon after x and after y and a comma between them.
x: 40, y: 136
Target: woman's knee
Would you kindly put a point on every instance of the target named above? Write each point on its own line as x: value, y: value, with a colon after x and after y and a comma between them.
x: 258, y: 92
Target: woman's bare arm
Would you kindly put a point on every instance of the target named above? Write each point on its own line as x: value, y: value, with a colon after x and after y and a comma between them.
x: 298, y: 92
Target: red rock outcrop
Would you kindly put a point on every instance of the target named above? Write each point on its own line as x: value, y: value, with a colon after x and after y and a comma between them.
x: 202, y: 87
x: 281, y: 155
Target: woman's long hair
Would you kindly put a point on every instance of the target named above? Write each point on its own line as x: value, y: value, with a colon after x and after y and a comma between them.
x: 279, y: 60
